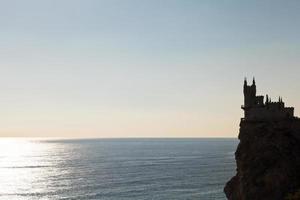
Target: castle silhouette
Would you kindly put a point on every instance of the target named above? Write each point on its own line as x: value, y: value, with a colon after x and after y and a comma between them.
x: 256, y: 109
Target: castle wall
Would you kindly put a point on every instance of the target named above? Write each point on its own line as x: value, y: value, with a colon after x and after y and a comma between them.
x: 269, y: 113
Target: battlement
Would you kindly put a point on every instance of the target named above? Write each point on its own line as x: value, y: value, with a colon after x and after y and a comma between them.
x: 256, y: 109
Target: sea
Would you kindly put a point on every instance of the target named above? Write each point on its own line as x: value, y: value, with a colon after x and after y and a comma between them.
x: 115, y: 169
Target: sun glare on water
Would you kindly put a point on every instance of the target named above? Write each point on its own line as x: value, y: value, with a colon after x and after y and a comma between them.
x: 22, y: 167
x: 11, y: 148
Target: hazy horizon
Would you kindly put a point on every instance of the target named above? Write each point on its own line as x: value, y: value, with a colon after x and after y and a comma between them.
x: 142, y: 69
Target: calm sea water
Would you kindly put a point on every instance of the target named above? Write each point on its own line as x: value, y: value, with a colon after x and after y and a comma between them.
x: 115, y: 169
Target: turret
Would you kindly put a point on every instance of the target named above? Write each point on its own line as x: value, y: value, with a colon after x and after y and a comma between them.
x: 253, y: 87
x: 245, y: 84
x: 249, y: 94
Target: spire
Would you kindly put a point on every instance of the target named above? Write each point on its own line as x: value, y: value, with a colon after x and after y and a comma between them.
x: 267, y: 99
x: 253, y: 82
x: 245, y: 81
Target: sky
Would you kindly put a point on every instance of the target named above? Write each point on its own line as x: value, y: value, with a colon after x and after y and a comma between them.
x: 142, y: 68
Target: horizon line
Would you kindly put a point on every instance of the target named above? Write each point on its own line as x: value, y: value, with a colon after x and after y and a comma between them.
x: 107, y: 138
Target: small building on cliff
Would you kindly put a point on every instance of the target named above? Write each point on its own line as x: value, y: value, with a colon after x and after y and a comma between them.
x: 255, y: 108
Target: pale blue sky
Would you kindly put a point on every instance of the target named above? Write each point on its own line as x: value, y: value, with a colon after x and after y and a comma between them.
x: 167, y: 68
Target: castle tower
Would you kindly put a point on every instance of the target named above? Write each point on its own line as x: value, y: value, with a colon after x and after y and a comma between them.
x: 249, y: 94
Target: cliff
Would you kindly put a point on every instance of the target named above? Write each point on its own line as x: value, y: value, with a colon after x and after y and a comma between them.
x: 268, y: 161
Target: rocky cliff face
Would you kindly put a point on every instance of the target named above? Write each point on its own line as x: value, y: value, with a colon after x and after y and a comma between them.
x: 268, y: 161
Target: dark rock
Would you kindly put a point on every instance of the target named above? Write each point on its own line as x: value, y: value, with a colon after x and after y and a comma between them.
x: 268, y: 161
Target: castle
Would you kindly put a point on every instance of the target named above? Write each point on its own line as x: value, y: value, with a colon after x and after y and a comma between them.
x: 255, y: 109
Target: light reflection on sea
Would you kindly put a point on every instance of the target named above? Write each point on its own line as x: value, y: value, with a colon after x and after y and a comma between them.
x: 115, y: 169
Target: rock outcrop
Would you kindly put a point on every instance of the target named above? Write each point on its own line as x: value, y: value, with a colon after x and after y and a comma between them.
x: 268, y: 161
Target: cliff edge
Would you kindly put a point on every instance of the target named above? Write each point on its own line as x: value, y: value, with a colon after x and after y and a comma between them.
x: 268, y: 161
